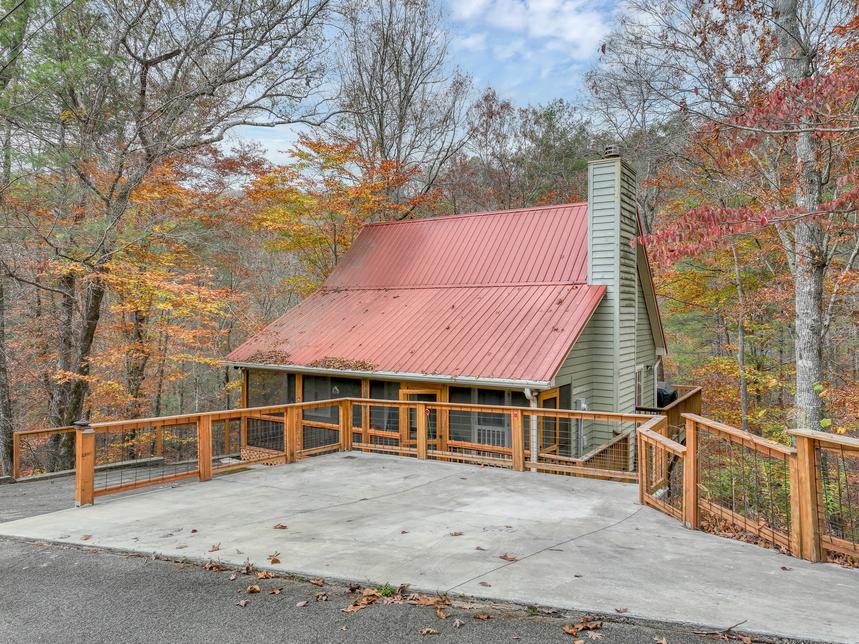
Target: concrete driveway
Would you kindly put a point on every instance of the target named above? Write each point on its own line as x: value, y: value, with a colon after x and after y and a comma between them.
x: 527, y: 538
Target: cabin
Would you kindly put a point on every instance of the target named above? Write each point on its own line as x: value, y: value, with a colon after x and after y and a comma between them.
x: 548, y: 307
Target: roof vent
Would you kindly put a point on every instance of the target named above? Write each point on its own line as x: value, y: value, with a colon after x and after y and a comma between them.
x: 611, y: 151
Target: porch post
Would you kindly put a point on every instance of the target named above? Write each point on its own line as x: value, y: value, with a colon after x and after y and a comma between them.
x: 421, y: 412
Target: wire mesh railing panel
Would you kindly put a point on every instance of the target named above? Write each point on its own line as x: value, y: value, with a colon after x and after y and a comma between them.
x: 43, y: 452
x: 318, y: 437
x: 662, y: 474
x: 838, y: 503
x: 140, y: 455
x: 743, y: 488
x: 480, y: 434
x: 226, y: 442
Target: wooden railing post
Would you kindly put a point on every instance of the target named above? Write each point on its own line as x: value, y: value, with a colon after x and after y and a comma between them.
x: 84, y: 466
x: 641, y: 450
x: 517, y: 442
x: 204, y: 447
x: 795, y: 515
x: 346, y: 425
x: 421, y: 413
x: 690, y: 476
x: 16, y: 456
x: 159, y: 441
x: 290, y: 428
x: 806, y: 497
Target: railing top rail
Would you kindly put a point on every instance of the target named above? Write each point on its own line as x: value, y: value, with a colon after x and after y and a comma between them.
x: 688, y: 392
x: 50, y: 430
x: 664, y: 441
x: 161, y: 421
x: 824, y: 437
x: 764, y: 443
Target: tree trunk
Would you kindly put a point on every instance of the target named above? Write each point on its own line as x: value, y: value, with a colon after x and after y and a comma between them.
x: 807, y: 253
x: 6, y: 420
x: 741, y: 343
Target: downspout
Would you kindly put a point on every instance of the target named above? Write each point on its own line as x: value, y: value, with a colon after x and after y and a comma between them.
x: 533, y: 398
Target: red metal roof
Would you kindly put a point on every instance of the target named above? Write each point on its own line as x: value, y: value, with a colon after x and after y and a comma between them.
x: 495, y: 296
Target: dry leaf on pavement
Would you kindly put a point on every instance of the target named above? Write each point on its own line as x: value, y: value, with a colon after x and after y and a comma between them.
x: 264, y: 574
x: 621, y: 610
x: 215, y: 547
x: 483, y: 616
x: 429, y: 631
x: 253, y: 588
x: 276, y: 590
x: 316, y: 582
x: 280, y: 526
x: 302, y: 604
x: 439, y: 612
x: 242, y: 603
x: 456, y: 534
x: 86, y: 537
x: 507, y: 557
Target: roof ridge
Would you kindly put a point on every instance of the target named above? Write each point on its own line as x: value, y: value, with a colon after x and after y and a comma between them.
x: 464, y: 215
x: 335, y: 289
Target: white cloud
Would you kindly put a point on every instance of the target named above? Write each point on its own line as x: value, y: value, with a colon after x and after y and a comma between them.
x: 580, y: 25
x: 472, y: 42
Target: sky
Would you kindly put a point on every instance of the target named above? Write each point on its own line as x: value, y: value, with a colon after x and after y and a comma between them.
x: 530, y: 51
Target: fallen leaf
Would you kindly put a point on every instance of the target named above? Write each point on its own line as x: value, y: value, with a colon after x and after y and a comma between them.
x: 507, y: 557
x: 429, y: 631
x: 480, y: 548
x: 485, y: 584
x: 458, y: 623
x: 404, y: 531
x: 508, y: 526
x: 354, y: 588
x: 439, y: 612
x: 234, y: 576
x: 242, y: 603
x: 247, y: 567
x: 194, y: 531
x: 264, y: 574
x: 621, y: 610
x: 213, y: 567
x: 275, y: 590
x: 274, y: 560
x: 280, y: 526
x: 456, y: 534
x: 316, y: 582
x: 368, y: 597
x: 483, y: 616
x: 587, y: 623
x: 253, y: 588
x: 592, y: 635
x: 215, y: 547
x: 86, y: 537
x: 302, y: 604
x: 786, y: 568
x: 321, y: 597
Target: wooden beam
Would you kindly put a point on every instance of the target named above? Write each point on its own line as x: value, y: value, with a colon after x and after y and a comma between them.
x: 806, y: 486
x: 345, y: 412
x: 517, y: 441
x: 84, y: 466
x: 421, y: 413
x: 204, y: 448
x: 690, y: 476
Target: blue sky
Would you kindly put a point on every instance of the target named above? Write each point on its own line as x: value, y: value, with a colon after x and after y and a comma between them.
x: 530, y: 51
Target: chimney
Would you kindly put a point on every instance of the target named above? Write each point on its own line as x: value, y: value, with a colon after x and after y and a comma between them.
x: 612, y: 225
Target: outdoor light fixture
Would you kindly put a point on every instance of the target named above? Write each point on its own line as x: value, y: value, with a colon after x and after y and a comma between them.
x: 335, y: 390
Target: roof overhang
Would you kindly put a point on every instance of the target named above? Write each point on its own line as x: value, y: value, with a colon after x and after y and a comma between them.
x: 470, y: 381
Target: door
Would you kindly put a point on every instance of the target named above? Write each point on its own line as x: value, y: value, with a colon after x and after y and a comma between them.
x: 408, y: 418
x: 549, y: 427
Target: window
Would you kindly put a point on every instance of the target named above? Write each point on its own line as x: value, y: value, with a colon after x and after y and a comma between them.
x: 270, y: 387
x: 483, y: 427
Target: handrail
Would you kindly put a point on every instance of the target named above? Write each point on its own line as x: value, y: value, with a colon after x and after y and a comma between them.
x: 823, y: 437
x: 690, y: 392
x: 759, y: 441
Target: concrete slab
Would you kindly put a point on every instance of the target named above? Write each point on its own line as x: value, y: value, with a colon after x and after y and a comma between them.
x: 578, y: 543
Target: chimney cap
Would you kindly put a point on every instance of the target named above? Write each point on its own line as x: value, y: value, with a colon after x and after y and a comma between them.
x: 611, y: 150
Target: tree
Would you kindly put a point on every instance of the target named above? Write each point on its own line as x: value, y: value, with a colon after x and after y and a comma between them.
x: 111, y: 89
x: 402, y: 102
x: 318, y: 203
x: 772, y: 90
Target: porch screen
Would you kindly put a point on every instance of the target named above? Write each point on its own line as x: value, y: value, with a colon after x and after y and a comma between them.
x: 270, y: 387
x: 326, y: 388
x: 385, y: 418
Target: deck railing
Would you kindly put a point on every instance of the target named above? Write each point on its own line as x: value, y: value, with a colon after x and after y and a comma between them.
x: 688, y: 402
x: 803, y: 500
x: 116, y: 456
